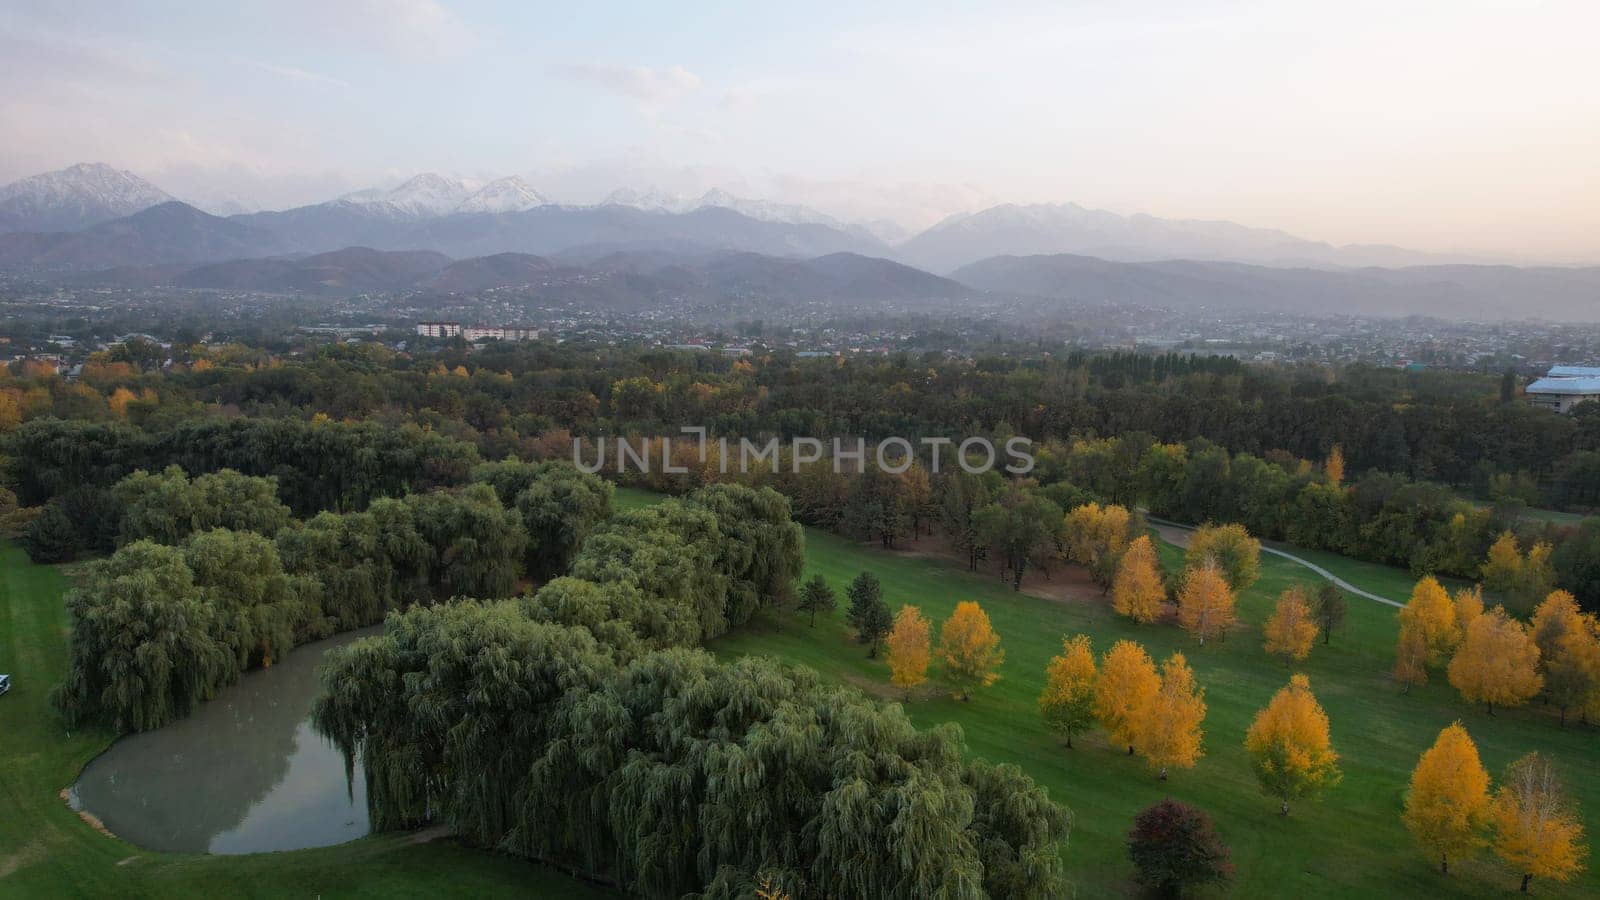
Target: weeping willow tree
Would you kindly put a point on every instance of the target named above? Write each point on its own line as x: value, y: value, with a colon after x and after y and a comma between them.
x: 257, y: 611
x: 167, y: 507
x: 144, y: 648
x: 366, y: 563
x: 559, y: 506
x: 476, y: 545
x: 447, y: 708
x: 579, y: 726
x: 763, y: 550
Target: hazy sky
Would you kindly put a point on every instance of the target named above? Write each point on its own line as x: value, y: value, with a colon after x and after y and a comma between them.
x: 1453, y: 125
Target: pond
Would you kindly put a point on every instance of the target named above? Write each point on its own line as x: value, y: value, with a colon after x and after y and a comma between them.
x: 245, y: 774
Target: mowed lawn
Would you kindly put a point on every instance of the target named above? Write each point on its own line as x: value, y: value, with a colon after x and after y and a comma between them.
x: 46, y: 851
x: 1350, y: 844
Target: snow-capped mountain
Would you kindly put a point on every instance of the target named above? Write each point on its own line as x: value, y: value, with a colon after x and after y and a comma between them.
x: 420, y: 197
x: 74, y: 198
x: 766, y: 210
x: 510, y: 194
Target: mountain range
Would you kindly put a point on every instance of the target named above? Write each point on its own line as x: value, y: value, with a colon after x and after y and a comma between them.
x: 617, y: 280
x: 443, y: 213
x: 503, y: 233
x: 1455, y: 291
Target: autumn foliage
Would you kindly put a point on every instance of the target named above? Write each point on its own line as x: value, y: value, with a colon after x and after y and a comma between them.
x: 1447, y: 806
x: 1497, y: 663
x: 1126, y: 684
x: 908, y: 651
x: 969, y: 649
x: 1205, y: 602
x: 1289, y: 745
x: 1138, y: 590
x: 1167, y: 733
x: 1291, y: 631
x: 1537, y: 832
x: 1067, y: 701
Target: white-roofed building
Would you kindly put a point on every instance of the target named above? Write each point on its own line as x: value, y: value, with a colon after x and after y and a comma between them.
x: 1564, y: 387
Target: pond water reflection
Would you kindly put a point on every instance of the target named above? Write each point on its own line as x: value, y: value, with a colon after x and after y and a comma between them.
x: 245, y: 774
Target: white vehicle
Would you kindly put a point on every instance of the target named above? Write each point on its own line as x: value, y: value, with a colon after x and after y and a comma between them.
x: 5, y: 683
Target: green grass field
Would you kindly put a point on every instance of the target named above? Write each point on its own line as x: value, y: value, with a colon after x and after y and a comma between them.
x: 47, y: 851
x: 1351, y: 844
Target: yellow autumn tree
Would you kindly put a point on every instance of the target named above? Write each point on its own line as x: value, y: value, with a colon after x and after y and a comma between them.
x: 1410, y: 657
x: 1127, y: 682
x: 1138, y: 591
x: 1334, y: 467
x: 1067, y: 701
x: 1432, y: 613
x: 1231, y: 548
x: 1447, y: 805
x: 1291, y: 630
x: 969, y: 649
x: 1537, y: 832
x: 119, y: 400
x: 1168, y: 732
x: 1468, y: 604
x: 1497, y: 663
x: 1096, y: 537
x: 1289, y: 745
x: 1503, y: 568
x: 908, y: 649
x: 1556, y: 616
x: 1205, y: 602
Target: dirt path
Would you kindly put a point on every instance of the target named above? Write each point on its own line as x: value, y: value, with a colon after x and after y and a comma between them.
x: 1176, y: 534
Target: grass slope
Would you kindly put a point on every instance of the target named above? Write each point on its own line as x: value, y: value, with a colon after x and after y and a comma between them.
x: 1350, y: 845
x: 47, y: 851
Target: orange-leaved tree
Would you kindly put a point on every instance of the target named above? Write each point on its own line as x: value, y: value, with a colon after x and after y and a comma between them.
x: 1067, y: 701
x: 969, y: 649
x: 1096, y: 537
x: 1497, y: 663
x: 1410, y: 656
x: 1291, y: 631
x: 1334, y: 467
x: 1126, y: 683
x: 1168, y: 733
x: 1138, y: 590
x: 1447, y: 805
x: 1232, y: 548
x: 1289, y: 745
x: 1205, y: 602
x: 1537, y: 832
x: 1431, y: 611
x: 908, y: 649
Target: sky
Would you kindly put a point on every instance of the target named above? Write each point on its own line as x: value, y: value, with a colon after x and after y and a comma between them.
x: 1459, y: 126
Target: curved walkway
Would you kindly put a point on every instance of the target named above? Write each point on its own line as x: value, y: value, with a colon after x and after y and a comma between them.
x: 1178, y: 534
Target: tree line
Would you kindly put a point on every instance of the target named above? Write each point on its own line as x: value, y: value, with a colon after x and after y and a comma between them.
x: 205, y: 585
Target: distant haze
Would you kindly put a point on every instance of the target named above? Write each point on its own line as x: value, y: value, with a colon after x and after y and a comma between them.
x: 1448, y: 127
